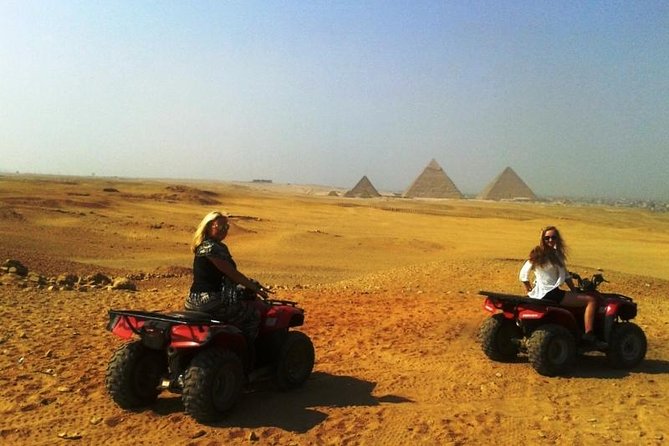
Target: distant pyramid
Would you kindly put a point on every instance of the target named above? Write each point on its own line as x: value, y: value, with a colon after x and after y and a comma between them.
x: 433, y: 183
x: 364, y: 189
x: 507, y: 186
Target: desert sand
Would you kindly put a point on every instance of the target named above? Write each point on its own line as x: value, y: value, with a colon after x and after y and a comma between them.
x: 390, y: 289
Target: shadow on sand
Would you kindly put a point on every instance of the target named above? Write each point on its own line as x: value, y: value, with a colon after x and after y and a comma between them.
x: 596, y: 366
x: 295, y: 410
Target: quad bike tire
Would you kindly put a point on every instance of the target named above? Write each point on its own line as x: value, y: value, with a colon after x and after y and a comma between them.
x: 295, y: 361
x: 627, y: 346
x: 551, y: 349
x: 497, y: 335
x: 134, y: 374
x: 212, y: 384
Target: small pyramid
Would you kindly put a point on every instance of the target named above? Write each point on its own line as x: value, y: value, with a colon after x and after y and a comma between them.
x: 433, y: 183
x: 507, y: 186
x: 364, y: 189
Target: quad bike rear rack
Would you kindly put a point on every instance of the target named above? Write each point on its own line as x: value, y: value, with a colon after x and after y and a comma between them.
x: 174, y: 317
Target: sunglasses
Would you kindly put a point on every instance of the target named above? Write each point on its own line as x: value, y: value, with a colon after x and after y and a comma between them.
x: 550, y: 237
x: 217, y: 224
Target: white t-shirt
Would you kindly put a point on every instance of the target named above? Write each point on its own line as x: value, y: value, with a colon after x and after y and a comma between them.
x: 546, y: 278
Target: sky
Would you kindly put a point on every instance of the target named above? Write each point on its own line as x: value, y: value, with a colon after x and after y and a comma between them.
x: 573, y: 95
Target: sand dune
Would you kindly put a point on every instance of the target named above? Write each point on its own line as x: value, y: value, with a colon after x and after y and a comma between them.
x: 390, y: 292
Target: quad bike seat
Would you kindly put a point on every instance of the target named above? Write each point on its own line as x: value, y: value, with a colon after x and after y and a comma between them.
x: 515, y: 298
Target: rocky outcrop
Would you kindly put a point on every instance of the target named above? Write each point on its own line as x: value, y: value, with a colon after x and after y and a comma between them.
x: 14, y: 273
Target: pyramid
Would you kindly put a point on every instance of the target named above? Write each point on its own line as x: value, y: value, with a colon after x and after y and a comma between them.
x: 433, y: 183
x: 364, y: 189
x: 507, y: 186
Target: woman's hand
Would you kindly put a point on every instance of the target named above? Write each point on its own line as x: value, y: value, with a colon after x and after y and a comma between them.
x: 260, y: 289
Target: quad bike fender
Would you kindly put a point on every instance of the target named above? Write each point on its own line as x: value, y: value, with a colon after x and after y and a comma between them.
x: 185, y: 336
x: 180, y: 336
x: 125, y: 327
x: 489, y: 305
x: 495, y: 305
x: 160, y: 334
x: 283, y: 316
x: 622, y: 309
x: 552, y: 315
x: 226, y: 336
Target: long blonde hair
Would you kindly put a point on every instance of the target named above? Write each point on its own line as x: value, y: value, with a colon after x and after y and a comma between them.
x: 203, y: 227
x: 543, y: 254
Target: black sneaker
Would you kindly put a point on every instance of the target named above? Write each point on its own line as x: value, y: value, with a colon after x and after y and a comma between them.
x: 589, y: 338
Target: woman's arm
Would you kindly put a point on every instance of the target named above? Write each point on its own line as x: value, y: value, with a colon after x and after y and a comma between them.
x: 524, y: 275
x: 236, y: 276
x: 570, y: 282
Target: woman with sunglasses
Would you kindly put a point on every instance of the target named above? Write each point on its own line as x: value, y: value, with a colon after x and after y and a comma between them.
x: 218, y: 287
x: 548, y: 262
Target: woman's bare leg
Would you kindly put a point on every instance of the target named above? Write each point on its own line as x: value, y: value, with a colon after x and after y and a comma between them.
x: 572, y: 299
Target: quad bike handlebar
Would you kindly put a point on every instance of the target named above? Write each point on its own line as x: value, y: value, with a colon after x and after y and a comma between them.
x: 262, y: 289
x: 588, y: 284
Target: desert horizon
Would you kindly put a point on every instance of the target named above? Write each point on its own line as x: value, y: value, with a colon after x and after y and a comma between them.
x: 655, y: 201
x: 390, y: 289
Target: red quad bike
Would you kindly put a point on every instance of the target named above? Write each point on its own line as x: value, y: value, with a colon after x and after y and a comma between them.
x: 551, y: 334
x: 204, y: 359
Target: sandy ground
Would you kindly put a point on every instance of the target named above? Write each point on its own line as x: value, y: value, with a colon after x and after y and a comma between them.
x: 390, y: 292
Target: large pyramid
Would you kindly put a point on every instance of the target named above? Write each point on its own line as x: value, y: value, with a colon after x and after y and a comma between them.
x: 433, y: 183
x: 364, y: 189
x: 507, y: 186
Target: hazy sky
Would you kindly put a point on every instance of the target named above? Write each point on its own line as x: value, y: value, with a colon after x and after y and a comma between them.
x: 573, y: 95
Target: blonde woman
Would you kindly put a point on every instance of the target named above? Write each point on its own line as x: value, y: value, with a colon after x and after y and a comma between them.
x: 218, y: 287
x: 547, y: 261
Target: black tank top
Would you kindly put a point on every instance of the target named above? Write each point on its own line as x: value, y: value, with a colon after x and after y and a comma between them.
x: 206, y: 277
